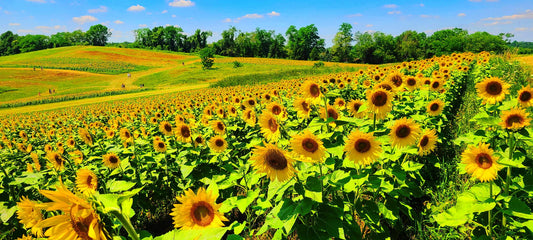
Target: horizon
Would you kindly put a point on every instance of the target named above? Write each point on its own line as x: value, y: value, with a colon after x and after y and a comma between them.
x: 48, y: 17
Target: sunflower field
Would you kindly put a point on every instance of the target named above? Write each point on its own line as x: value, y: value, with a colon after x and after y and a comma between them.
x: 432, y: 149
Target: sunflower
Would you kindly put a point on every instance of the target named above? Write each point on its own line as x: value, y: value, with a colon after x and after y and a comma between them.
x: 199, y: 140
x: 111, y: 160
x: 331, y: 112
x: 218, y: 127
x: 515, y: 119
x: 159, y: 146
x: 71, y: 143
x: 77, y: 156
x: 125, y: 135
x: 379, y: 102
x: 396, y: 78
x: 86, y: 181
x: 269, y: 126
x: 362, y: 148
x: 23, y: 135
x: 165, y: 128
x: 309, y: 146
x: 480, y: 162
x: 30, y: 215
x: 250, y: 103
x: 353, y: 108
x: 492, y: 90
x: 110, y: 133
x: 310, y: 89
x: 437, y: 84
x: 303, y: 107
x: 25, y: 237
x: 85, y: 136
x: 404, y: 132
x: 249, y: 117
x: 435, y: 107
x: 525, y: 96
x: 427, y: 142
x: 218, y: 144
x: 340, y: 103
x: 411, y: 83
x: 273, y: 161
x: 36, y: 162
x: 77, y: 221
x: 197, y: 211
x: 232, y: 111
x: 183, y: 133
x: 275, y: 108
x: 57, y: 160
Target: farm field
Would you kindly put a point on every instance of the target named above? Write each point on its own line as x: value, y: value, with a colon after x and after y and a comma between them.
x: 428, y: 149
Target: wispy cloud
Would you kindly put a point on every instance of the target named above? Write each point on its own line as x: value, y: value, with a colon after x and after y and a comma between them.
x: 164, y: 11
x: 252, y: 16
x: 84, y: 19
x: 390, y: 6
x: 429, y: 16
x: 421, y: 5
x: 369, y: 25
x: 355, y: 15
x: 37, y: 1
x: 227, y: 20
x: 394, y: 12
x: 521, y: 29
x: 143, y: 25
x: 101, y: 9
x: 181, y: 3
x: 14, y: 24
x: 173, y: 15
x: 273, y: 14
x: 25, y: 31
x: 118, y: 22
x: 527, y: 15
x: 461, y: 14
x: 497, y: 23
x: 136, y: 8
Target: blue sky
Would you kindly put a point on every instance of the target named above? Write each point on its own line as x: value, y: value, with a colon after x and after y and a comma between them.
x: 393, y: 17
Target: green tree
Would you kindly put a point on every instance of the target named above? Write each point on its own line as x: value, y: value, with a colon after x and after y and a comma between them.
x: 97, y: 35
x: 411, y: 45
x: 207, y: 57
x: 8, y: 43
x: 446, y: 42
x: 342, y: 43
x: 484, y: 41
x: 301, y: 42
x: 30, y: 43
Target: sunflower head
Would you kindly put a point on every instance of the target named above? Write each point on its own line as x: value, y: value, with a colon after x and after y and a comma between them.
x: 85, y: 136
x: 411, y: 83
x: 197, y: 211
x: 57, y: 160
x: 310, y: 89
x: 249, y: 117
x: 30, y: 215
x: 480, y: 162
x: 379, y: 102
x: 86, y: 181
x: 303, y: 107
x: 183, y: 133
x: 435, y: 107
x: 199, y: 140
x: 165, y: 128
x: 269, y: 126
x: 515, y: 119
x: 492, y: 90
x: 219, y: 127
x: 275, y: 108
x: 275, y: 162
x: 218, y: 144
x: 353, y: 108
x: 159, y: 146
x: 525, y: 96
x: 309, y: 146
x: 427, y: 142
x: 362, y: 148
x: 111, y: 160
x: 404, y: 132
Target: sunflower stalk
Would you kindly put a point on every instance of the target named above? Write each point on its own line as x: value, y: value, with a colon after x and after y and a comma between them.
x: 126, y: 223
x: 508, y: 177
x: 490, y: 211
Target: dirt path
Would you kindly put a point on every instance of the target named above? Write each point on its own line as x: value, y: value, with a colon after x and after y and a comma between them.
x: 74, y: 103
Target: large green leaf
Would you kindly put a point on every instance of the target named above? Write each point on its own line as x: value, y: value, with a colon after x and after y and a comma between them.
x: 119, y: 185
x: 517, y: 208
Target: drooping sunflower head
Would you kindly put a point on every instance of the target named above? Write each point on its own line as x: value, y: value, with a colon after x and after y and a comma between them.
x: 249, y: 117
x: 427, y: 142
x: 362, y: 148
x: 525, y: 96
x: 492, y: 90
x: 86, y: 181
x: 218, y: 127
x: 309, y: 146
x: 303, y: 107
x: 30, y: 215
x: 85, y: 136
x: 197, y: 211
x: 165, y: 128
x: 435, y: 107
x: 218, y: 144
x: 481, y: 162
x: 111, y: 160
x: 404, y: 132
x: 379, y: 102
x: 273, y: 161
x: 269, y: 126
x: 515, y: 119
x: 57, y: 160
x: 353, y: 108
x: 329, y: 112
x: 310, y: 89
x: 125, y: 135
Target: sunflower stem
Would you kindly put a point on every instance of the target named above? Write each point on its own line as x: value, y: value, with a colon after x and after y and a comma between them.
x: 490, y: 211
x: 508, y: 177
x: 374, y: 129
x: 126, y: 224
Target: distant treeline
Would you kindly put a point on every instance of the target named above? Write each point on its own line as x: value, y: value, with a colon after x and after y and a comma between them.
x: 297, y: 43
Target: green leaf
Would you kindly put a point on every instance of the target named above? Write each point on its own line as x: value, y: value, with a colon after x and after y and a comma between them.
x: 339, y: 177
x: 317, y: 196
x: 452, y: 218
x: 313, y: 184
x: 109, y: 202
x: 186, y: 170
x: 243, y: 203
x: 388, y: 214
x: 119, y: 186
x: 304, y: 207
x: 518, y: 208
x: 330, y: 218
x: 7, y: 213
x: 234, y: 237
x: 411, y: 166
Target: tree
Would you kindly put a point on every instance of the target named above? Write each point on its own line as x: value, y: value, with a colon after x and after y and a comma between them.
x: 302, y: 42
x: 484, y: 41
x: 97, y: 35
x: 342, y: 43
x: 207, y: 57
x: 446, y: 42
x: 411, y: 45
x: 30, y: 43
x: 8, y: 43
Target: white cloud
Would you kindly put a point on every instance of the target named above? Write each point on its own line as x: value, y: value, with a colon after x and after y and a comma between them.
x: 25, y: 31
x: 173, y: 15
x: 429, y: 16
x: 118, y: 22
x: 394, y: 12
x: 355, y: 15
x: 273, y: 14
x: 84, y: 19
x: 527, y: 15
x: 497, y: 23
x: 14, y: 24
x: 227, y: 20
x: 252, y: 16
x: 461, y: 14
x: 521, y: 29
x: 181, y: 3
x: 475, y: 0
x: 390, y: 6
x: 136, y: 8
x: 369, y: 25
x: 143, y: 25
x: 164, y: 11
x: 421, y: 5
x: 37, y: 1
x: 56, y: 27
x: 101, y: 9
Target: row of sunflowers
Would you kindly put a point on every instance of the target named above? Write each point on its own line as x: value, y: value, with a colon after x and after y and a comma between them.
x: 350, y: 155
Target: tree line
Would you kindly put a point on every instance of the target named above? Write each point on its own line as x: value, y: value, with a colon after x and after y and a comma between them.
x: 302, y: 43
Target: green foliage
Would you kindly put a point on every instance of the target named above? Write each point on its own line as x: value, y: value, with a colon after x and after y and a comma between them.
x: 318, y: 64
x: 342, y: 43
x: 207, y: 57
x: 97, y: 35
x: 304, y: 43
x: 237, y: 64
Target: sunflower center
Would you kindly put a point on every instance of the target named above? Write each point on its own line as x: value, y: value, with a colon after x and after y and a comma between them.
x: 58, y: 159
x: 220, y: 126
x: 90, y: 181
x: 202, y: 213
x: 275, y: 159
x: 435, y: 85
x: 525, y: 96
x: 434, y: 107
x: 484, y: 160
x: 411, y: 82
x: 514, y: 118
x: 185, y: 131
x: 310, y: 145
x: 424, y: 141
x: 168, y: 128
x: 248, y: 115
x: 362, y: 145
x: 267, y: 97
x: 403, y: 131
x: 386, y: 86
x: 161, y: 144
x: 276, y: 110
x: 494, y: 88
x: 219, y: 142
x: 397, y: 80
x: 272, y: 125
x: 198, y: 140
x: 305, y: 106
x: 333, y: 114
x: 356, y: 107
x: 233, y: 110
x: 81, y: 229
x: 341, y: 103
x: 379, y: 98
x: 314, y: 90
x: 251, y: 102
x: 113, y: 159
x: 128, y: 135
